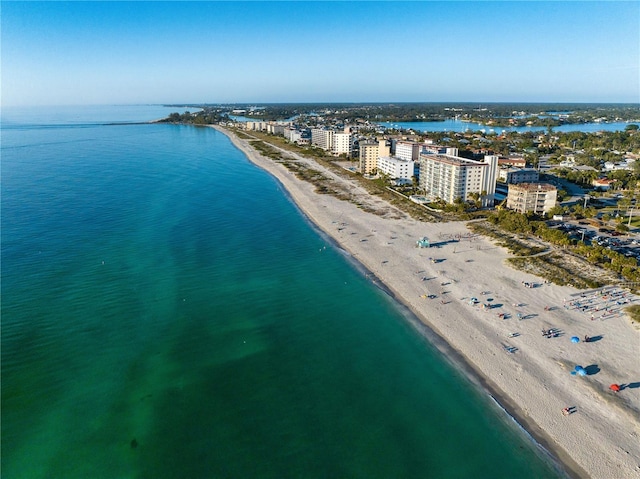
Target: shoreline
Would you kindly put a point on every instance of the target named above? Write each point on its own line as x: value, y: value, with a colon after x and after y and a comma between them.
x: 519, y: 387
x: 559, y: 461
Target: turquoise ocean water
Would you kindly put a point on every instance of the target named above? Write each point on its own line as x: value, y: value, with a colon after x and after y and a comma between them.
x: 167, y: 312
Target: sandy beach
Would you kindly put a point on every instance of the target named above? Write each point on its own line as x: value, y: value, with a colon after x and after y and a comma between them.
x: 493, y: 317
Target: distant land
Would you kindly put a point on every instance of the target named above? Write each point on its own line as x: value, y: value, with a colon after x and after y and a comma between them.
x: 497, y: 114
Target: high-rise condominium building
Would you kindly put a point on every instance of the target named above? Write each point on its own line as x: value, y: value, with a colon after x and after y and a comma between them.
x: 450, y: 177
x: 368, y: 157
x: 407, y: 150
x: 333, y: 141
x: 396, y: 168
x: 342, y: 144
x: 322, y: 138
x: 538, y: 198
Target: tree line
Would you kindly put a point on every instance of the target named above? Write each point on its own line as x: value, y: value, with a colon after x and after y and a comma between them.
x: 529, y: 224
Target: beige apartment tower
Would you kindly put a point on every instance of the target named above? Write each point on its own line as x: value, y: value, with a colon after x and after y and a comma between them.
x: 368, y: 157
x: 537, y: 198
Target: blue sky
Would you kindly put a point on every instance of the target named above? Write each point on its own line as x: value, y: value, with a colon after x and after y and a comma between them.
x: 66, y: 53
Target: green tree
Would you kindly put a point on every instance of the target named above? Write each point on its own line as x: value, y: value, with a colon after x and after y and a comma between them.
x: 561, y: 195
x: 556, y: 210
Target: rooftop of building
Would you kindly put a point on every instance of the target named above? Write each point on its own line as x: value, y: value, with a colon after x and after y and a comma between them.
x: 395, y: 159
x: 453, y: 160
x: 512, y: 159
x: 531, y: 187
x: 521, y: 170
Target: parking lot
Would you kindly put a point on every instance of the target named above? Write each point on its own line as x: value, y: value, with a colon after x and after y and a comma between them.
x: 628, y: 245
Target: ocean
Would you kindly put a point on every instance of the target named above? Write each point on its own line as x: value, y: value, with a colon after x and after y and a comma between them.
x: 168, y: 312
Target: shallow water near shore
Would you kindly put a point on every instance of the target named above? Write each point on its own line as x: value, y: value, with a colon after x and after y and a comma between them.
x: 168, y: 312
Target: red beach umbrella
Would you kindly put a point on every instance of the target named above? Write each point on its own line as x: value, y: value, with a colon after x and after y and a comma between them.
x: 615, y: 387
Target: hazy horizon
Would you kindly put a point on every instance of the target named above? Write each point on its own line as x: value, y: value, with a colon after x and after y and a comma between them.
x: 263, y: 103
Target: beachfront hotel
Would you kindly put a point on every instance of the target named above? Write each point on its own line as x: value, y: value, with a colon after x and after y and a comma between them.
x: 449, y: 177
x: 537, y: 198
x: 255, y: 125
x: 334, y: 141
x: 396, y: 168
x: 273, y: 127
x: 407, y: 150
x: 369, y: 153
x: 342, y: 144
x: 322, y: 138
x: 368, y: 159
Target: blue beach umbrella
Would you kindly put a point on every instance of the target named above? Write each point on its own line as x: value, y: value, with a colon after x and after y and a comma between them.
x: 580, y: 371
x: 575, y: 339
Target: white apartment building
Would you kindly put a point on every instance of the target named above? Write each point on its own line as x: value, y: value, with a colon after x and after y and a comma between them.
x: 407, y: 150
x: 322, y: 138
x: 255, y: 125
x: 333, y: 141
x: 450, y: 177
x: 275, y: 129
x: 538, y: 198
x: 519, y: 175
x: 292, y: 135
x: 396, y: 168
x: 342, y: 144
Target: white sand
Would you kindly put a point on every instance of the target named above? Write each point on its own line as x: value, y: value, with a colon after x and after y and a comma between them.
x: 601, y: 439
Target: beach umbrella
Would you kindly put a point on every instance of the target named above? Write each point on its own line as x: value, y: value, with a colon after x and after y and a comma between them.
x: 575, y: 339
x: 615, y: 387
x: 579, y: 370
